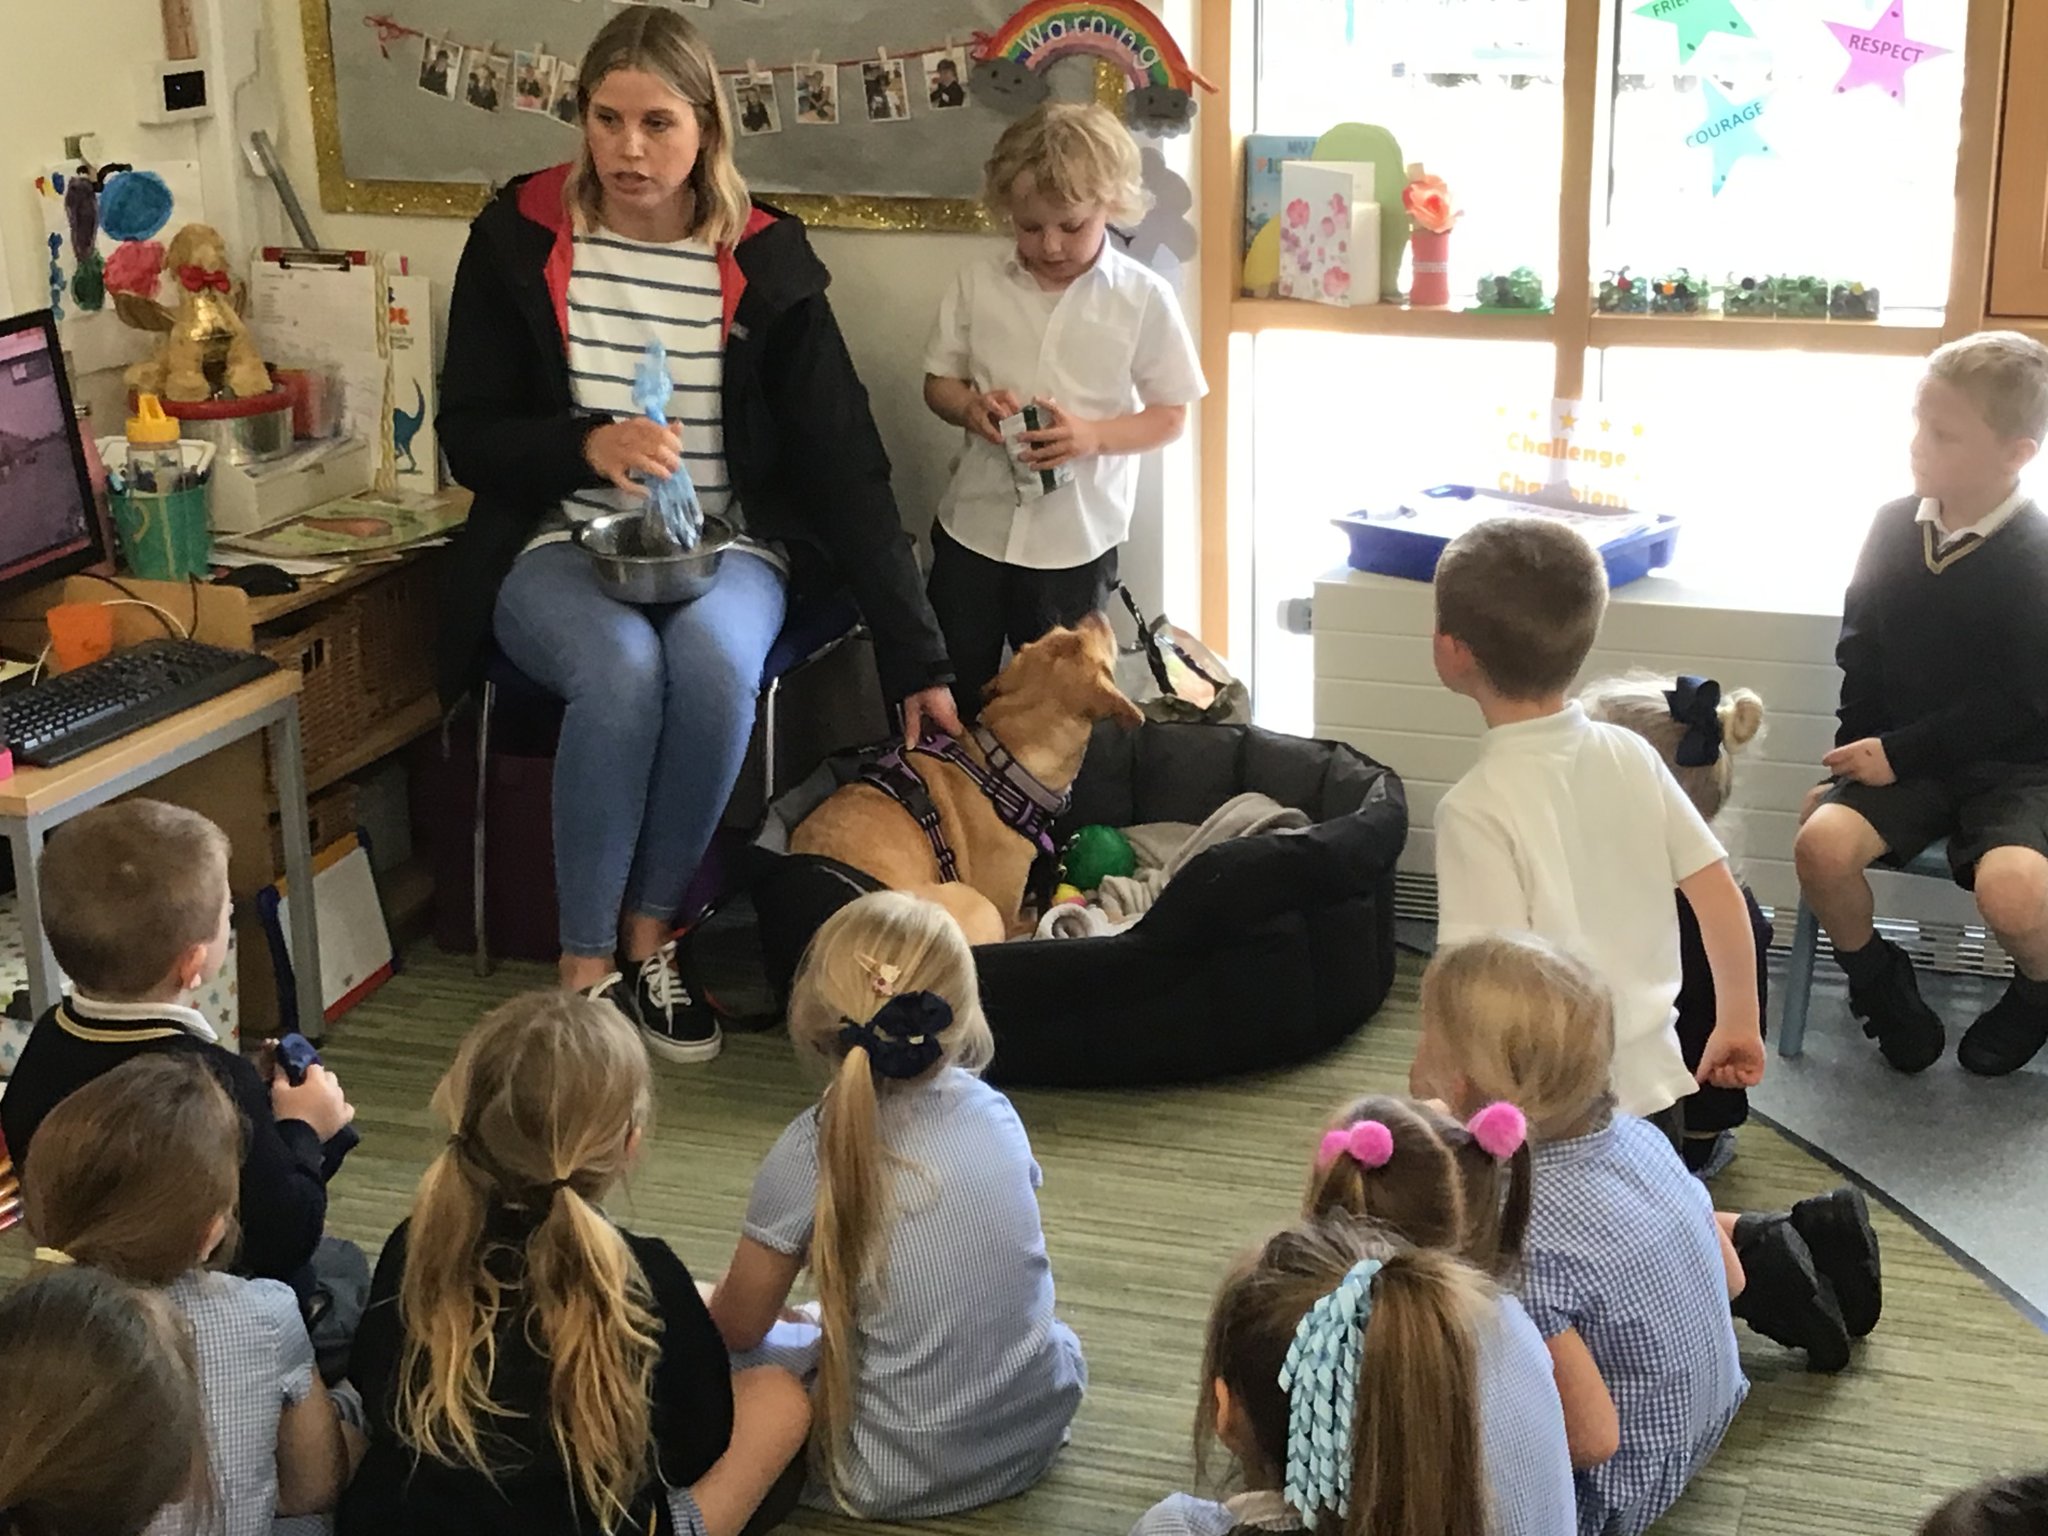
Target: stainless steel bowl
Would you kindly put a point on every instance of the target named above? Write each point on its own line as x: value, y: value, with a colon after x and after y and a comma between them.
x: 253, y: 439
x: 635, y: 571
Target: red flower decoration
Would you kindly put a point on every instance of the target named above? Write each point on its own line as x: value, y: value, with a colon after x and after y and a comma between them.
x: 1336, y: 283
x: 1297, y: 212
x: 1428, y: 201
x: 135, y: 267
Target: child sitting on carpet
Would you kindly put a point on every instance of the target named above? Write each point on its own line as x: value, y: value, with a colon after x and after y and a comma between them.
x: 525, y: 1364
x: 134, y: 1174
x: 944, y: 1379
x: 1439, y: 1183
x: 135, y: 902
x: 1697, y: 730
x: 82, y: 1357
x: 2003, y: 1506
x: 1626, y: 1269
x: 1364, y: 1386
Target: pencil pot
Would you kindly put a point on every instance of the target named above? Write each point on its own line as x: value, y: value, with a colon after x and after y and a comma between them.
x: 164, y: 538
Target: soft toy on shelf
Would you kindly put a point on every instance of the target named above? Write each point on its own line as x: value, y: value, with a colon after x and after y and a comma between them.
x: 207, y: 353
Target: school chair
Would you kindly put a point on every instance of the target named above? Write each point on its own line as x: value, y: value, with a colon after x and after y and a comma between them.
x: 812, y: 632
x: 1932, y: 862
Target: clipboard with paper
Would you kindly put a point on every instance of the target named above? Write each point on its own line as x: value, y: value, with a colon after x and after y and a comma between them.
x: 328, y: 309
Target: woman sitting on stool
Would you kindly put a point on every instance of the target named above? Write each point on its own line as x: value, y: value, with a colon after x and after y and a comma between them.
x: 567, y: 274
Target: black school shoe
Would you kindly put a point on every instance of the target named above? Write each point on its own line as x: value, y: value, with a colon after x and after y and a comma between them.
x: 1784, y: 1297
x: 1838, y: 1233
x: 2010, y: 1033
x: 676, y: 1025
x: 1906, y: 1030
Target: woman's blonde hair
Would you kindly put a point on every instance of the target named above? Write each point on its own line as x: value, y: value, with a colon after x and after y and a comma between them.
x: 1075, y: 153
x: 133, y: 1168
x: 885, y: 947
x: 1417, y: 1468
x: 665, y: 45
x: 544, y: 1101
x: 1437, y: 1186
x: 81, y: 1355
x: 1521, y: 1020
x: 1637, y: 701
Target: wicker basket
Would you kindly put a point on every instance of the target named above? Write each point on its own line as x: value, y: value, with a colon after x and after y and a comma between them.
x: 395, y: 638
x: 327, y: 653
x: 330, y: 816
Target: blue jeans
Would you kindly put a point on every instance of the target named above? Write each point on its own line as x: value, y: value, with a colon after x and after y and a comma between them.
x: 660, y: 708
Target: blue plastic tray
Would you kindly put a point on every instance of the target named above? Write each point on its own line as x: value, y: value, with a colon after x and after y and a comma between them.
x: 1408, y: 540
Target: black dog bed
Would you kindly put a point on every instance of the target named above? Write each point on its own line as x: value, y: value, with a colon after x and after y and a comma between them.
x: 1262, y: 951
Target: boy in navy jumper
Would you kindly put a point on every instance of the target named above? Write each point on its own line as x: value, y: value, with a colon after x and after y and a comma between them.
x: 135, y: 901
x: 1944, y: 714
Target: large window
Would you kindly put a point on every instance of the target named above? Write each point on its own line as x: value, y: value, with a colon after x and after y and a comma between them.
x: 1826, y: 153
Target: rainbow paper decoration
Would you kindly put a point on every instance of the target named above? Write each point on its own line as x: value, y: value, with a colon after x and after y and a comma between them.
x: 1009, y: 61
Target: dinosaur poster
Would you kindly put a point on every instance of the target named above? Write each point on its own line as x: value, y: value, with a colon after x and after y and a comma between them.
x: 415, y: 454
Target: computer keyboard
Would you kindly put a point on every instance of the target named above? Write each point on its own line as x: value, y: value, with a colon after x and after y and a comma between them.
x: 105, y: 700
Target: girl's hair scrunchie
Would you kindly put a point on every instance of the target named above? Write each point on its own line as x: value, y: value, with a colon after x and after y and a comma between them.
x: 1500, y: 1129
x: 1320, y: 1378
x: 1368, y: 1143
x: 902, y: 1039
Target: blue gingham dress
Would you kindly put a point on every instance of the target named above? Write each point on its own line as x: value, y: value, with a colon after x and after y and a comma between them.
x: 1527, y: 1465
x: 967, y: 1379
x: 254, y: 1362
x: 1622, y: 1247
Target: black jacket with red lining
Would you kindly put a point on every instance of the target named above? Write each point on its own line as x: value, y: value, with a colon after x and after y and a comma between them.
x: 801, y: 447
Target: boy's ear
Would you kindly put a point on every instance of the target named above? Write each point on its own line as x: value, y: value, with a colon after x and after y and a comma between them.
x: 2020, y: 452
x: 191, y: 963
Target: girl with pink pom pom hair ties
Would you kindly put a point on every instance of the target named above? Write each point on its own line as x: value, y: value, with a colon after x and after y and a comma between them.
x: 1364, y: 1387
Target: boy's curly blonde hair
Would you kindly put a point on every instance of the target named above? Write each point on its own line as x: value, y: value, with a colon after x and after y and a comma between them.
x: 1075, y: 153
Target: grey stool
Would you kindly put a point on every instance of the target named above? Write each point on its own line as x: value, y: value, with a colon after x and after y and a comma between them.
x: 1933, y: 863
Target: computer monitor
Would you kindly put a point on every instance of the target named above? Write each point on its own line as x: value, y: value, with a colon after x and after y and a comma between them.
x: 49, y: 526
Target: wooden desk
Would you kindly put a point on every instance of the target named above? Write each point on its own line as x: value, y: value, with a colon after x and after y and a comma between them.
x: 35, y: 800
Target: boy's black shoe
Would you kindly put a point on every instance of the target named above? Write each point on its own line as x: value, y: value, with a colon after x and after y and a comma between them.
x: 2010, y: 1033
x: 676, y: 1024
x: 1838, y: 1233
x: 1888, y: 1001
x: 1784, y: 1297
x: 613, y: 990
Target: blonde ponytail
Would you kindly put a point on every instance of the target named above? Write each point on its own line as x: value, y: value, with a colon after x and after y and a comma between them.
x: 885, y: 957
x: 544, y: 1099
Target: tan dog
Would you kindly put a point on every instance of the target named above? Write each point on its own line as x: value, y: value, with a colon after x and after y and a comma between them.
x: 208, y: 350
x: 1042, y: 708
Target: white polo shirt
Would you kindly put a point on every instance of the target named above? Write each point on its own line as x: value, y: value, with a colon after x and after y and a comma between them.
x: 1575, y: 830
x: 1111, y: 343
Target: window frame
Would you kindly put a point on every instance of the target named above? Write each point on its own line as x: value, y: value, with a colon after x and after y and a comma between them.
x: 1227, y: 43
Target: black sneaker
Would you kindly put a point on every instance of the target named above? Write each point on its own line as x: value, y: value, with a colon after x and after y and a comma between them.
x: 2008, y: 1036
x: 1838, y: 1233
x: 677, y: 1026
x: 1906, y: 1030
x: 1784, y: 1297
x: 613, y: 990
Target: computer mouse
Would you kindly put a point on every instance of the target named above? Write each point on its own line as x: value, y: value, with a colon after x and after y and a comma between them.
x: 259, y: 580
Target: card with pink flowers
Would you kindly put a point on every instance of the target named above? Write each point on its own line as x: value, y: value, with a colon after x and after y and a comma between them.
x: 1329, y: 232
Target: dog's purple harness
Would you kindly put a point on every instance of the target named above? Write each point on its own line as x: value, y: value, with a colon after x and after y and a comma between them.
x: 1021, y: 803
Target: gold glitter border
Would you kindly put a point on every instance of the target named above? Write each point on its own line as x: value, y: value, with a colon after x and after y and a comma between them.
x: 342, y: 193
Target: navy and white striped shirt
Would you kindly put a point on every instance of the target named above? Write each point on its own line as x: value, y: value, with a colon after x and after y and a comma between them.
x: 622, y: 293
x: 1621, y: 1247
x: 967, y: 1379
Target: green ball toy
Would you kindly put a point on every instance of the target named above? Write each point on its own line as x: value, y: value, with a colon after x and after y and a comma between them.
x: 1095, y: 853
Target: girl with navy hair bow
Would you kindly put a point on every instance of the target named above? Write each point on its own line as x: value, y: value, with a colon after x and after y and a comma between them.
x: 941, y: 1377
x: 1346, y: 1374
x: 1697, y: 727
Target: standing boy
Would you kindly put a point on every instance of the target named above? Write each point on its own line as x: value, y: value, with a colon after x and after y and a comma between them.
x: 1944, y: 715
x: 1575, y: 830
x: 1097, y: 341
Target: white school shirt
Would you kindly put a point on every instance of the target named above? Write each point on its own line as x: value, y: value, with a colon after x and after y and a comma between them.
x: 622, y: 293
x: 1111, y: 343
x: 1575, y: 830
x: 1946, y: 538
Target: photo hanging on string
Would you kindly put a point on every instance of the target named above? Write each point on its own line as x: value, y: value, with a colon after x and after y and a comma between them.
x: 486, y: 77
x: 440, y: 67
x: 888, y: 92
x: 533, y: 75
x: 754, y: 104
x: 562, y: 105
x: 817, y: 93
x: 945, y: 79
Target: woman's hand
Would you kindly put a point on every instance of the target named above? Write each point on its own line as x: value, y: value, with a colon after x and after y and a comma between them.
x: 934, y: 705
x: 1069, y: 438
x: 620, y: 449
